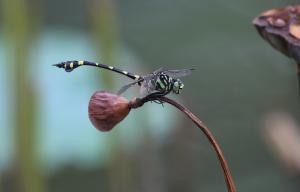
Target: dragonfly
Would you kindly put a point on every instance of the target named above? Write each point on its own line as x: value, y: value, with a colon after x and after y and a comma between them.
x: 158, y: 83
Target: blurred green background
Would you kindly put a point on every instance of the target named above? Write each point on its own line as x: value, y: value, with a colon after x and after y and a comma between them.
x: 47, y: 142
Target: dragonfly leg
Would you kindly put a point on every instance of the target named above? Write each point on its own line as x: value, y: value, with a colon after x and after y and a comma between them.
x: 157, y: 95
x: 158, y: 101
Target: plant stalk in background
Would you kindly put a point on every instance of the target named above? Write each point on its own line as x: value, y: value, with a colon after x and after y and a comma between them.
x: 19, y: 22
x: 105, y: 32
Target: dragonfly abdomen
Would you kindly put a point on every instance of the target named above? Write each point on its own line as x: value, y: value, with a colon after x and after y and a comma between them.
x: 71, y: 65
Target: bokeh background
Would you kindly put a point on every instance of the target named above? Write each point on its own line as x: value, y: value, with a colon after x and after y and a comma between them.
x: 245, y: 92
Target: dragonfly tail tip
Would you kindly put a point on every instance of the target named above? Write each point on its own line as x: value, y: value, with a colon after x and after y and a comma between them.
x: 57, y: 65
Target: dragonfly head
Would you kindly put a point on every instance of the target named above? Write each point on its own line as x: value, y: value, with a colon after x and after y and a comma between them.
x: 177, y: 86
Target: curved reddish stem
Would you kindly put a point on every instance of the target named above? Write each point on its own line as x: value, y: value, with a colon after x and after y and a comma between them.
x: 138, y: 102
x: 227, y: 174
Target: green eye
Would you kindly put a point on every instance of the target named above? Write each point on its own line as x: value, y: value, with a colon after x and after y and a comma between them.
x: 176, y: 84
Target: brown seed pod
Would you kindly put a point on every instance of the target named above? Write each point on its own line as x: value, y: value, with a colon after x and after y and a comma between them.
x: 281, y: 28
x: 106, y: 110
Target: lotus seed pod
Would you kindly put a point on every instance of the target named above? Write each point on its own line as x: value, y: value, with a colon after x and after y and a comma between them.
x: 106, y: 110
x: 281, y: 28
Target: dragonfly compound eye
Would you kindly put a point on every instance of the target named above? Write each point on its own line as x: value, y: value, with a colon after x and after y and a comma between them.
x: 176, y: 84
x: 181, y: 86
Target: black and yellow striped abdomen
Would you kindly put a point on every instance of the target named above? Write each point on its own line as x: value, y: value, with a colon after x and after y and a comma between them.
x: 70, y: 65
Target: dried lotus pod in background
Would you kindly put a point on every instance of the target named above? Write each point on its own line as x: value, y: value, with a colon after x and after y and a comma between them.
x: 281, y: 28
x: 106, y: 110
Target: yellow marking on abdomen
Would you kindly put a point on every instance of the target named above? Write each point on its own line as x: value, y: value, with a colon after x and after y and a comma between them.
x: 136, y: 76
x: 65, y: 66
x: 125, y: 72
x: 97, y: 64
x: 71, y: 65
x: 110, y: 67
x: 80, y: 62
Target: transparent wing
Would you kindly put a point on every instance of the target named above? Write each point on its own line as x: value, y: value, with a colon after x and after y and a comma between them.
x: 178, y: 73
x: 147, y: 86
x: 125, y: 87
x: 173, y: 73
x: 159, y: 70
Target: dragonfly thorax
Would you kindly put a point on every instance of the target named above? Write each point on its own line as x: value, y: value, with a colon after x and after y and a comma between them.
x: 165, y: 83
